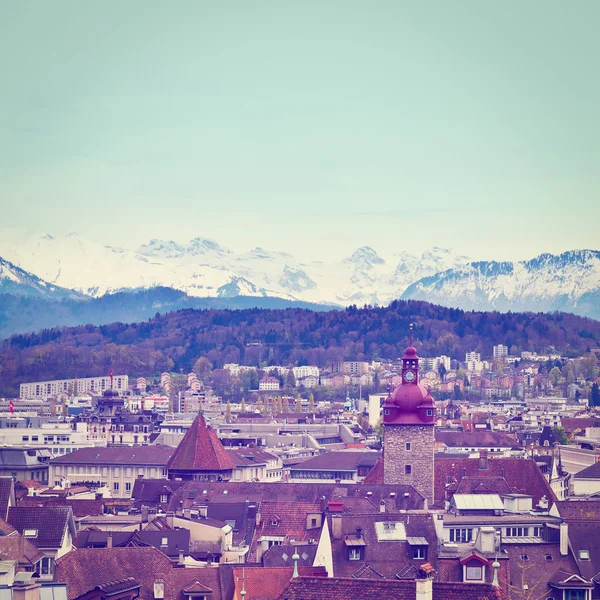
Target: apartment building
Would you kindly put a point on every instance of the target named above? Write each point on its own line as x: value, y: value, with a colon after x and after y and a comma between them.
x: 72, y: 387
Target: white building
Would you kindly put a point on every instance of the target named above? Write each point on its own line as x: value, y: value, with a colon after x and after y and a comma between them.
x: 72, y: 387
x: 472, y: 357
x: 500, y: 352
x: 269, y: 383
x: 58, y: 438
x: 305, y: 371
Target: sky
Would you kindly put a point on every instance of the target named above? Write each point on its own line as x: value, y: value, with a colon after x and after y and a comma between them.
x: 309, y: 127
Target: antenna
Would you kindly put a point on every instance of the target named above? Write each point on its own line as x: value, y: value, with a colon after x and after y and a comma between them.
x: 410, y: 329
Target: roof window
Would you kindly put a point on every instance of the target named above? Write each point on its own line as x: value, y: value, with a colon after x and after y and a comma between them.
x: 29, y: 533
x: 584, y: 555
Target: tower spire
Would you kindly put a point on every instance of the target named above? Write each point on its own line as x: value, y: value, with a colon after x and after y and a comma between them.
x: 410, y: 333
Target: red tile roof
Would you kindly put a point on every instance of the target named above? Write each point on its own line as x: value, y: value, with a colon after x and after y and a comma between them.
x: 375, y: 475
x: 521, y: 475
x: 200, y: 450
x: 84, y: 569
x: 289, y: 519
x: 80, y: 508
x: 475, y: 439
x: 336, y: 588
x: 264, y: 583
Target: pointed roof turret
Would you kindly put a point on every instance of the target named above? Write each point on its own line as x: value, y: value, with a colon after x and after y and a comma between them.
x: 200, y: 450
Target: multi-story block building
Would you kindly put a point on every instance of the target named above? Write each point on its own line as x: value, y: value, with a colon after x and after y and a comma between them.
x: 305, y: 371
x: 472, y: 356
x: 72, y: 387
x: 500, y: 352
x: 116, y: 467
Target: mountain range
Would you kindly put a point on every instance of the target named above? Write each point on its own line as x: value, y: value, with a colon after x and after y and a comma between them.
x: 83, y: 275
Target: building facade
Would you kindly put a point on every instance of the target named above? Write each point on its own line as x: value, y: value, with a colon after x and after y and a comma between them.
x: 72, y: 387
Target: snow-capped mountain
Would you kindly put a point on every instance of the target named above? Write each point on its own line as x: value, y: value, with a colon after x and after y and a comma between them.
x: 203, y: 268
x: 567, y: 282
x: 14, y: 280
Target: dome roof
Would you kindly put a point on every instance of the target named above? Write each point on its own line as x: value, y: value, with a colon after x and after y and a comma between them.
x: 410, y: 404
x: 110, y: 393
x: 410, y: 352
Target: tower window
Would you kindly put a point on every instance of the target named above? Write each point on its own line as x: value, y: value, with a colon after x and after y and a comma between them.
x: 407, y: 446
x: 407, y: 469
x: 387, y: 411
x: 429, y: 412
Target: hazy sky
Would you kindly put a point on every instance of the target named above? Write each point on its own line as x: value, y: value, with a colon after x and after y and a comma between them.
x: 312, y: 126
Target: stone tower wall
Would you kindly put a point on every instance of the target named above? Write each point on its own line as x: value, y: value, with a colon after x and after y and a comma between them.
x: 420, y: 457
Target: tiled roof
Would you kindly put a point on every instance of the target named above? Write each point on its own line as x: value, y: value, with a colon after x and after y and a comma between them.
x: 86, y: 568
x: 177, y: 540
x: 200, y: 450
x: 118, y: 455
x: 375, y: 475
x: 572, y: 424
x: 121, y: 585
x: 6, y: 493
x: 51, y: 523
x: 346, y: 460
x: 475, y: 439
x: 80, y: 508
x: 529, y: 564
x: 579, y: 510
x: 336, y: 588
x: 286, y: 519
x: 382, y: 559
x: 584, y: 535
x: 281, y: 556
x: 17, y: 547
x: 284, y: 491
x: 263, y: 583
x: 591, y: 472
x: 483, y: 485
x: 522, y: 475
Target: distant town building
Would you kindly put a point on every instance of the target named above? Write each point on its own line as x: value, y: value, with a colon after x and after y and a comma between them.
x: 351, y: 367
x: 305, y: 371
x: 500, y: 352
x: 472, y: 357
x: 269, y: 383
x: 72, y: 387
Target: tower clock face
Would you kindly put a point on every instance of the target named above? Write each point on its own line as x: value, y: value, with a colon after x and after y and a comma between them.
x: 409, y: 376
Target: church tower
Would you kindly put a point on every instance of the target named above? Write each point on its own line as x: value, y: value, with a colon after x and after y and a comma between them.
x: 408, y: 430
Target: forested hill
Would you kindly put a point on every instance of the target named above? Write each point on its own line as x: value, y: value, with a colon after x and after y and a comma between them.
x: 258, y: 336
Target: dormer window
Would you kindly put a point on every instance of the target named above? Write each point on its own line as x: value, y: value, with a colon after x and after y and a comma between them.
x: 30, y: 533
x: 584, y: 555
x: 474, y: 573
x: 354, y: 554
x: 274, y: 522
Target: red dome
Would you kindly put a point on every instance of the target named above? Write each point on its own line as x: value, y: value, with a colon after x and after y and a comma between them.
x: 410, y: 352
x: 409, y: 404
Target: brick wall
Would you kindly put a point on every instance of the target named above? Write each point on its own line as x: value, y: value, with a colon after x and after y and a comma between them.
x: 420, y: 457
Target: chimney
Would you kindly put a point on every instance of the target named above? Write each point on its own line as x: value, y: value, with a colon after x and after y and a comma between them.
x: 336, y: 527
x: 564, y: 539
x: 170, y: 519
x: 187, y: 513
x: 483, y: 460
x: 382, y: 507
x: 25, y: 591
x: 109, y: 540
x: 181, y: 559
x: 486, y: 540
x: 144, y: 514
x: 424, y: 589
x: 359, y: 533
x: 159, y: 589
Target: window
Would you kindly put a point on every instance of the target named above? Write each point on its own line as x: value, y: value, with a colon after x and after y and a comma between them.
x: 116, y: 486
x: 164, y: 498
x: 25, y: 438
x: 128, y: 486
x: 407, y: 446
x: 386, y: 411
x: 576, y: 595
x: 474, y: 574
x: 313, y: 522
x: 407, y: 469
x: 548, y: 556
x: 354, y: 554
x: 419, y: 553
x: 461, y: 535
x: 537, y: 532
x: 46, y: 566
x: 29, y: 533
x: 584, y: 555
x: 429, y: 412
x: 164, y: 541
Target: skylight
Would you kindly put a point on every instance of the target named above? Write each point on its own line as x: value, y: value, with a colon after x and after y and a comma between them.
x: 30, y: 532
x: 393, y: 531
x: 584, y: 555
